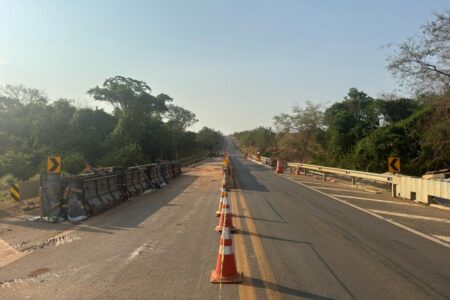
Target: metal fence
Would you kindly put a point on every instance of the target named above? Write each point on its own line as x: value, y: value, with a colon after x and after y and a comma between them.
x: 408, y: 187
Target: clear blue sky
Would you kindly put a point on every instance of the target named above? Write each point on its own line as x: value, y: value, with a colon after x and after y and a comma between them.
x: 234, y: 63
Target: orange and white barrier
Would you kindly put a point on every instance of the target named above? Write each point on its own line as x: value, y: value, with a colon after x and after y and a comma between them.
x: 223, y: 194
x: 226, y: 270
x: 280, y: 168
x: 226, y: 219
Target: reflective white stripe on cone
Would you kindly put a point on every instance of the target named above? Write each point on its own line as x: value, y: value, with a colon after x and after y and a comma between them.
x: 225, y: 217
x: 226, y: 270
x: 222, y: 196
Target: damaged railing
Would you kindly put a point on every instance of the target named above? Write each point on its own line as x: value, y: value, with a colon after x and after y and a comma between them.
x: 78, y: 197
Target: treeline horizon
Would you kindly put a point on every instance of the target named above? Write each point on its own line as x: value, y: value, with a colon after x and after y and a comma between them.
x: 360, y: 132
x: 142, y: 128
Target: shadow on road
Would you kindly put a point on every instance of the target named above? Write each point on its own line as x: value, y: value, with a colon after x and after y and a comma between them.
x: 243, y: 171
x: 259, y: 283
x: 121, y: 217
x: 245, y: 232
x: 260, y: 219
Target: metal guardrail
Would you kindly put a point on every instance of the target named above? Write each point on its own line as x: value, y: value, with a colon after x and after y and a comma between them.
x: 192, y: 160
x: 343, y: 172
x: 408, y: 187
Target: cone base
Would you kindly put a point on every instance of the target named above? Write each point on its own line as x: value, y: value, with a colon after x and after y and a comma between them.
x: 219, y: 229
x: 215, y: 278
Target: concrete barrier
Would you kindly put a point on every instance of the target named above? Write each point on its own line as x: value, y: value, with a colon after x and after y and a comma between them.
x: 91, y: 194
x: 419, y: 189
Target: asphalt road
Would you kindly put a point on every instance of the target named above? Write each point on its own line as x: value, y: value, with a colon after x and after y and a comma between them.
x: 319, y: 248
x: 293, y: 242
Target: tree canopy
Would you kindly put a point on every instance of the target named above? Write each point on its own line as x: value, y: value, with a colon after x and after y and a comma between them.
x: 142, y: 128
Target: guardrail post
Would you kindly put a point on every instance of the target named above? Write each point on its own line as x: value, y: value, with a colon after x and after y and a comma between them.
x: 324, y: 176
x: 353, y: 180
x: 394, y: 190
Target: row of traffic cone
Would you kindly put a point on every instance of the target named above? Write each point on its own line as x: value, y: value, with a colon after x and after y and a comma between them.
x: 226, y: 270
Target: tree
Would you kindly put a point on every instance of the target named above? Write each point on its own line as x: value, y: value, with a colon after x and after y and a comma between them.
x: 435, y: 131
x: 180, y: 117
x: 395, y: 110
x: 424, y: 61
x: 128, y: 94
x: 23, y: 95
x: 209, y: 139
x: 348, y: 122
x: 303, y: 123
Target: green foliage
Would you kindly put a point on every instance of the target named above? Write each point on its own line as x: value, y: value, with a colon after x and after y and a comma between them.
x: 349, y: 121
x: 74, y: 163
x: 299, y: 131
x: 142, y: 128
x: 127, y: 156
x: 8, y: 180
x: 257, y: 140
x: 209, y: 139
x: 16, y: 163
x: 361, y: 132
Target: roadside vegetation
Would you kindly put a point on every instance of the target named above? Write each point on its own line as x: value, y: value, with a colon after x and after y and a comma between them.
x: 142, y: 128
x: 360, y: 131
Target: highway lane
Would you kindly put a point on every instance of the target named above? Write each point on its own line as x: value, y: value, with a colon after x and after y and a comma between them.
x: 292, y: 243
x: 319, y: 248
x: 160, y: 245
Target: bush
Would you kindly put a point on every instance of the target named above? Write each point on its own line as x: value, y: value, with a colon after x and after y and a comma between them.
x: 127, y: 156
x: 73, y: 163
x: 8, y: 180
x: 16, y: 163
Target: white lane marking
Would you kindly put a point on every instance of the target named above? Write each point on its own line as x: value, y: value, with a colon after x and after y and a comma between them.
x: 421, y: 234
x: 343, y: 190
x: 442, y: 237
x: 136, y: 252
x: 410, y: 216
x: 374, y: 200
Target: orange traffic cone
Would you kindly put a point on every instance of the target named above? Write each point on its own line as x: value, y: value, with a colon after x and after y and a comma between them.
x: 225, y: 217
x: 223, y: 194
x: 279, y: 169
x: 226, y: 270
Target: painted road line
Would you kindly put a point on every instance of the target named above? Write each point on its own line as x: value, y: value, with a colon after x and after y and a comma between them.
x: 246, y: 290
x: 409, y: 216
x: 342, y: 190
x: 442, y: 237
x: 416, y: 232
x: 374, y: 200
x: 261, y: 258
x: 137, y: 252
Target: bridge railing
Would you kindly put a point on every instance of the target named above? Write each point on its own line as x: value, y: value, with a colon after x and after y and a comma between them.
x: 343, y: 172
x: 192, y: 159
x: 408, y: 187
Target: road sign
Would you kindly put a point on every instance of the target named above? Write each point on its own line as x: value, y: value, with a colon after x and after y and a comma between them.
x: 14, y: 192
x: 54, y: 164
x: 394, y: 164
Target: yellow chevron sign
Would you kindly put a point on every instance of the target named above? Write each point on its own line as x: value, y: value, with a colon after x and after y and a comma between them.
x: 14, y: 192
x: 394, y: 164
x: 54, y: 164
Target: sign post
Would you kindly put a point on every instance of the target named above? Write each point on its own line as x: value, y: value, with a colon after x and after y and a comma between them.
x: 51, y: 194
